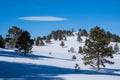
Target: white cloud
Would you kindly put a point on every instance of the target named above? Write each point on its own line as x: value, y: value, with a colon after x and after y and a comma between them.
x: 43, y: 18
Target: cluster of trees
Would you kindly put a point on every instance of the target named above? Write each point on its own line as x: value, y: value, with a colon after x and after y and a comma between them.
x: 17, y: 38
x: 81, y: 32
x: 39, y: 42
x: 95, y: 51
x: 61, y: 34
x: 113, y: 37
x: 56, y: 35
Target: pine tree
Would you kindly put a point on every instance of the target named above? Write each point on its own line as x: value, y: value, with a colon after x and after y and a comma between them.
x: 116, y: 48
x: 73, y: 57
x: 24, y: 42
x: 83, y: 32
x: 62, y: 44
x: 12, y: 42
x: 48, y: 40
x: 42, y: 43
x: 13, y: 34
x: 37, y: 43
x: 96, y: 49
x: 80, y: 50
x: 2, y: 42
x: 60, y: 37
x: 79, y: 39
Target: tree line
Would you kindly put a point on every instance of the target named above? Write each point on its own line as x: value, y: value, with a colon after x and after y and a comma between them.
x: 95, y: 51
x: 17, y: 38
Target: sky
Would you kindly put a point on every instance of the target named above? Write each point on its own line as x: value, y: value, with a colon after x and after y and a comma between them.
x: 40, y: 17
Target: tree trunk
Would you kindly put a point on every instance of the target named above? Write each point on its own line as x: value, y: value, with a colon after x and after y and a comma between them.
x: 98, y: 62
x: 25, y: 51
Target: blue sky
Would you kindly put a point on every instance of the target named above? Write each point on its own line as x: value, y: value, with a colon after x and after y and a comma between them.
x: 40, y: 17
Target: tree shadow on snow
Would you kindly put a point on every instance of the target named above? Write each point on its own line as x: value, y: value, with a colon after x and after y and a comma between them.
x: 40, y: 72
x: 30, y: 56
x: 21, y: 55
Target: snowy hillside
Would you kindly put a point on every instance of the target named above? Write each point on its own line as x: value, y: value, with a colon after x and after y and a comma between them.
x: 52, y: 62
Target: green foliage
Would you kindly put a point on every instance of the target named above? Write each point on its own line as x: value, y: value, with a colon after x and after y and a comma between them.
x: 12, y: 36
x: 12, y: 42
x: 80, y: 50
x: 82, y: 32
x: 37, y: 43
x: 42, y: 43
x: 24, y: 42
x: 113, y: 37
x: 79, y: 39
x: 14, y: 32
x: 61, y: 34
x: 96, y: 49
x: 62, y: 44
x: 73, y: 57
x: 2, y: 42
x: 48, y: 40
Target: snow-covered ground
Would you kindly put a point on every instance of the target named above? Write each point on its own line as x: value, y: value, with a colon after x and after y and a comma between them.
x: 41, y: 65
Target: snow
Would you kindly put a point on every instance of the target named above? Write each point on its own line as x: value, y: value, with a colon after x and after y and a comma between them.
x: 40, y: 65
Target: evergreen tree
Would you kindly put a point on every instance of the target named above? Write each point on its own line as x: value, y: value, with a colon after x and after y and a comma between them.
x: 62, y: 44
x: 73, y: 57
x: 116, y: 48
x: 12, y: 42
x: 24, y: 42
x: 48, y: 40
x: 14, y: 32
x: 96, y: 49
x: 2, y: 42
x: 42, y: 43
x: 80, y: 50
x: 44, y: 38
x: 60, y: 34
x: 83, y: 32
x: 37, y: 43
x: 79, y: 39
x: 12, y: 36
x: 60, y: 37
x: 65, y: 38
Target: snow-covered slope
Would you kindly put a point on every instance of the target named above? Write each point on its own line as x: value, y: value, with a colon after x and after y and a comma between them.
x: 52, y: 62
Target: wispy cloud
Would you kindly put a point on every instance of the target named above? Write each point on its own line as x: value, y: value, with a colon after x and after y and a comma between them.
x: 43, y: 18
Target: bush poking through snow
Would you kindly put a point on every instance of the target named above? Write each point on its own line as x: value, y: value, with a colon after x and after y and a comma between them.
x: 80, y: 50
x: 77, y: 68
x: 72, y: 50
x: 50, y: 53
x: 73, y: 57
x: 62, y: 44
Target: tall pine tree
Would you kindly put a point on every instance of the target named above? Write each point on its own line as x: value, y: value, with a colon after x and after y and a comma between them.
x: 96, y: 49
x: 2, y: 42
x: 24, y: 42
x: 37, y: 42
